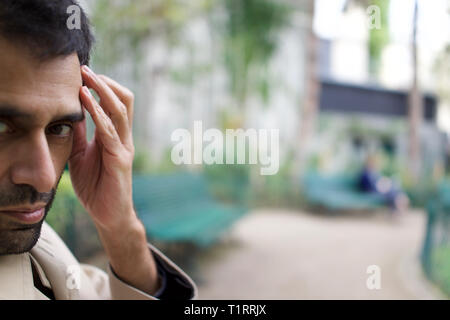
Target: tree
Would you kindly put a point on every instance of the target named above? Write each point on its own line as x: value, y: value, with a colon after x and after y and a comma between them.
x: 415, y: 109
x: 310, y: 103
x: 250, y: 40
x: 378, y: 37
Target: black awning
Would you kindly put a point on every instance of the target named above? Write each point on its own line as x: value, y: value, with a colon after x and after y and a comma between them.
x: 349, y: 98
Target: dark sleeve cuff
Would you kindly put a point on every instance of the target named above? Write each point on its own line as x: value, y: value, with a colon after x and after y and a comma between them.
x: 162, y: 275
x: 174, y: 285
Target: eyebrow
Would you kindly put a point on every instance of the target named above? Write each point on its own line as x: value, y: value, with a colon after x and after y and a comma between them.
x: 10, y: 112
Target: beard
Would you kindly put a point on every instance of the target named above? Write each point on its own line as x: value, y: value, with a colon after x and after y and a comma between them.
x: 15, y: 237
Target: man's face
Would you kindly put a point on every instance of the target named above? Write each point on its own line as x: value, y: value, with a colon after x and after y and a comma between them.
x: 39, y: 102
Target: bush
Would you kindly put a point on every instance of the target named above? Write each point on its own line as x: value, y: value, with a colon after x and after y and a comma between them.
x: 69, y: 219
x: 65, y: 206
x: 441, y: 268
x: 228, y: 183
x: 279, y: 190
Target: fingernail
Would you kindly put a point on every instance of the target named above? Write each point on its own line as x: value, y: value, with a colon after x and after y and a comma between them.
x: 88, y: 70
x: 87, y: 91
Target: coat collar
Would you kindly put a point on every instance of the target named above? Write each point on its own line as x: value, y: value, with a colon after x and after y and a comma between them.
x: 55, y: 269
x: 16, y: 277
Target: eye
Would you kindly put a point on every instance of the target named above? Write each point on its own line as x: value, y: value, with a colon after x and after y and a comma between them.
x: 62, y: 130
x: 4, y: 128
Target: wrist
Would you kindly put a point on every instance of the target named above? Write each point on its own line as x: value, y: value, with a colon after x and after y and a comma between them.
x: 120, y: 223
x: 130, y: 257
x: 128, y: 236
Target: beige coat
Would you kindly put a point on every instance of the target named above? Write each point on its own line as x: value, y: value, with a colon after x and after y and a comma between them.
x: 59, y: 270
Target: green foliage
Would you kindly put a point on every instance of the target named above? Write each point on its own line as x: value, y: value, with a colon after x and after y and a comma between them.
x: 436, y: 246
x: 419, y: 194
x: 277, y: 190
x: 250, y: 40
x: 441, y: 268
x: 64, y: 207
x: 141, y: 161
x: 69, y: 219
x: 121, y: 27
x: 429, y: 187
x: 378, y: 38
x: 184, y: 75
x: 144, y: 164
x: 64, y: 211
x: 229, y: 182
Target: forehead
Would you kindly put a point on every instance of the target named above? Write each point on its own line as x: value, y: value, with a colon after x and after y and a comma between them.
x: 51, y: 86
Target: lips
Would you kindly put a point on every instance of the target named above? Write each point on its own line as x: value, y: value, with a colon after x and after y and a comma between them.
x: 27, y: 215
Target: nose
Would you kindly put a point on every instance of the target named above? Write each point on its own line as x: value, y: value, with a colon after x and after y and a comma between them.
x: 34, y: 165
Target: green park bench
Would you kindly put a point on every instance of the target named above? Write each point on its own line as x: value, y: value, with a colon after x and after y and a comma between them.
x: 179, y: 208
x: 338, y: 192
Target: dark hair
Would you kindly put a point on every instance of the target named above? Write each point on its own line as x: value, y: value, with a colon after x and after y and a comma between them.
x: 41, y: 25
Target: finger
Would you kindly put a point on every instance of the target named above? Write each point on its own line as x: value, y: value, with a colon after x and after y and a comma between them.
x: 107, y: 132
x: 124, y: 94
x: 111, y: 104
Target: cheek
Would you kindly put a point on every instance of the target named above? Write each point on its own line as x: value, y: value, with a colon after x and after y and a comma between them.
x: 5, y: 161
x: 10, y: 154
x: 60, y: 154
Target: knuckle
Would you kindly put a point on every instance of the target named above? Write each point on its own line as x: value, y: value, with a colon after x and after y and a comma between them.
x: 120, y: 116
x: 110, y: 129
x: 129, y: 96
x: 104, y: 117
x: 123, y: 111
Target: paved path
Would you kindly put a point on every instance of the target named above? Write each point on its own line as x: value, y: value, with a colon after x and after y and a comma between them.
x: 273, y: 254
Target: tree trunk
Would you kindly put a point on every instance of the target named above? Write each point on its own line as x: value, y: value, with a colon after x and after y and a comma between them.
x: 311, y: 98
x: 415, y: 110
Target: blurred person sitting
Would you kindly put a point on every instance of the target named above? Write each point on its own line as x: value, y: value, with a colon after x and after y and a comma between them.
x: 371, y: 180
